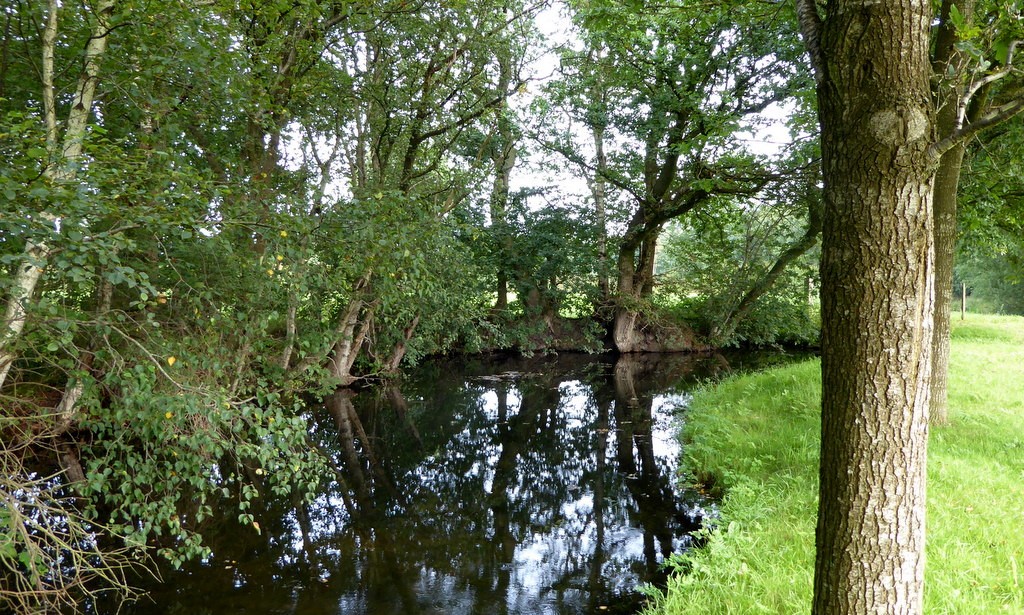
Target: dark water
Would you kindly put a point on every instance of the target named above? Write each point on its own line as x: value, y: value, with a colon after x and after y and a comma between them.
x: 542, y: 486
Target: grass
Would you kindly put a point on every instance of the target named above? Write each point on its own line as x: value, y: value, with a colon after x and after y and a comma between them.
x: 756, y: 438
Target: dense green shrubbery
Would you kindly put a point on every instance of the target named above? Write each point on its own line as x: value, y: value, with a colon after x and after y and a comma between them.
x: 708, y: 267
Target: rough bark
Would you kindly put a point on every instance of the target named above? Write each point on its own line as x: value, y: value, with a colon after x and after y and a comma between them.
x: 877, y: 124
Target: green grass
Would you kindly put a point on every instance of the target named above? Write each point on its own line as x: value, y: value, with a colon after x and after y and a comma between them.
x: 756, y: 437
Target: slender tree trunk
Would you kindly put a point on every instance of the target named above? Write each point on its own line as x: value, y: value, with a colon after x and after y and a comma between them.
x: 598, y: 189
x: 877, y: 122
x: 30, y: 270
x: 950, y: 89
x: 946, y: 181
x: 290, y: 331
x: 352, y: 333
x: 504, y: 162
x: 645, y: 268
x: 398, y: 353
x: 504, y: 155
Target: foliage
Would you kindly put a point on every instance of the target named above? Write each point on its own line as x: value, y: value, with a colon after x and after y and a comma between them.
x: 251, y: 177
x: 669, y: 94
x: 709, y: 261
x: 274, y: 199
x: 990, y: 247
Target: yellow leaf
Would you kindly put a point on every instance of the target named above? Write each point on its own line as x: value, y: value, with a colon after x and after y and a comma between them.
x: 256, y: 526
x: 171, y: 361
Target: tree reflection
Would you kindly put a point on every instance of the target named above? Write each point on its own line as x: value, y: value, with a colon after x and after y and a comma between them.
x: 529, y: 486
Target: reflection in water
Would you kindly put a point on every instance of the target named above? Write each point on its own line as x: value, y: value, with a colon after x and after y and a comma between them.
x: 541, y: 486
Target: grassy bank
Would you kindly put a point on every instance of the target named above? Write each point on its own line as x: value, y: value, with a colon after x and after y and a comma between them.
x: 757, y: 437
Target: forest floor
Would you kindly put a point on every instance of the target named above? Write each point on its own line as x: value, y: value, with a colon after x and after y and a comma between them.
x: 755, y: 439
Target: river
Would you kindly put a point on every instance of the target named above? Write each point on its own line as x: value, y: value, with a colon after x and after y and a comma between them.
x: 506, y: 486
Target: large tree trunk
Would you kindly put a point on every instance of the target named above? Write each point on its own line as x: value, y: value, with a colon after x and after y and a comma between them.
x: 877, y: 297
x: 626, y: 328
x: 632, y: 331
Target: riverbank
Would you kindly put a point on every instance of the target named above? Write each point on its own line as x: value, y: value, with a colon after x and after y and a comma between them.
x: 755, y: 438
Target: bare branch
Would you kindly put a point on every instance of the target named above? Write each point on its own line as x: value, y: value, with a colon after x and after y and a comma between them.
x: 992, y: 117
x: 983, y: 82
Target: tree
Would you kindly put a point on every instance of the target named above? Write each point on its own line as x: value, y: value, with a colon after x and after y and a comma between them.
x: 203, y: 276
x: 972, y: 66
x: 63, y: 151
x: 663, y: 92
x: 872, y: 68
x: 990, y: 223
x: 740, y: 271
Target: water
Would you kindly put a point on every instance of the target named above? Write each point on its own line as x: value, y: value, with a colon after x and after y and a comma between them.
x: 545, y: 486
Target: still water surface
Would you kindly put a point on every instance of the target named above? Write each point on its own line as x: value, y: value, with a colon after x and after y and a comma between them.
x: 541, y: 486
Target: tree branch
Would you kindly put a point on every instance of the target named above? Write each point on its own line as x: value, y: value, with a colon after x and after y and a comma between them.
x: 810, y: 28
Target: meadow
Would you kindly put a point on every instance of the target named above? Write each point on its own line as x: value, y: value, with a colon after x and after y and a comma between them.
x: 753, y: 439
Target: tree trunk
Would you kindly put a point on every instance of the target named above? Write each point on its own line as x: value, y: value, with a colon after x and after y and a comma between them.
x: 946, y: 181
x: 625, y: 334
x: 30, y: 270
x: 504, y: 155
x: 504, y: 162
x: 598, y: 188
x: 948, y: 94
x: 877, y: 123
x: 645, y: 268
x: 632, y: 330
x: 398, y: 353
